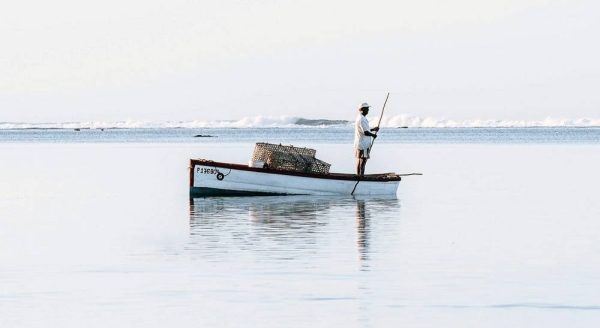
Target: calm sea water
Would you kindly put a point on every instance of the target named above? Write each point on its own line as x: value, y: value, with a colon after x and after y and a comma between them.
x: 97, y: 230
x: 311, y: 135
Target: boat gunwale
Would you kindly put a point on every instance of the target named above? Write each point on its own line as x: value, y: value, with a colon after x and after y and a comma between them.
x: 380, y: 177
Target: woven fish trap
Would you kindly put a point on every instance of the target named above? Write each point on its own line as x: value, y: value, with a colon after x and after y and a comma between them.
x: 289, y: 158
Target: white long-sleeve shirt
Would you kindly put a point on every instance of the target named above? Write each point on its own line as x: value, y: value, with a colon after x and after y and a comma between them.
x: 361, y: 141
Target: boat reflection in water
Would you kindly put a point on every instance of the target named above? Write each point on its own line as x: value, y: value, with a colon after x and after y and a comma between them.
x: 305, y: 228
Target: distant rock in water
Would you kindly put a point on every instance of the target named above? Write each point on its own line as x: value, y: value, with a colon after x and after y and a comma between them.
x: 403, y: 127
x: 204, y: 136
x: 304, y: 121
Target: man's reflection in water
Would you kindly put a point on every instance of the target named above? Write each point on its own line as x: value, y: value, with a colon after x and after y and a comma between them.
x: 363, y: 230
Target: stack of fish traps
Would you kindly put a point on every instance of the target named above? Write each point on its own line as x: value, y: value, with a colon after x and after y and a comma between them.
x: 289, y: 158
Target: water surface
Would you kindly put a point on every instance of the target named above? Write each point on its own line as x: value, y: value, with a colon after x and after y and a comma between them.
x: 494, y: 234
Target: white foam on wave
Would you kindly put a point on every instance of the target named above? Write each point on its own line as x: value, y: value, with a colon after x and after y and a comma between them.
x: 246, y: 122
x: 430, y: 122
x: 288, y: 121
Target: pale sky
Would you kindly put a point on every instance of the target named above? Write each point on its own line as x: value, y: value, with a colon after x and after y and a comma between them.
x: 114, y: 60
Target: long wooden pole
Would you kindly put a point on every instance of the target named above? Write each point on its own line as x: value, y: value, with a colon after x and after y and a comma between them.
x: 380, y: 117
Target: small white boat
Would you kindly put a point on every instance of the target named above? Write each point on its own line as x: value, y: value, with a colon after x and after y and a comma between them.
x: 209, y: 178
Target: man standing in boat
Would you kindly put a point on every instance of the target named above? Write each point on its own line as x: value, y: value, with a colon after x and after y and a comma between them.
x: 362, y: 138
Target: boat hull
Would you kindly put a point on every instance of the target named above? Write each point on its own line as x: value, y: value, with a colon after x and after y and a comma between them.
x: 208, y: 178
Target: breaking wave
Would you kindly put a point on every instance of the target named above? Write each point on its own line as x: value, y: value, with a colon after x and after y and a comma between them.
x: 246, y: 122
x: 429, y: 122
x: 287, y: 122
